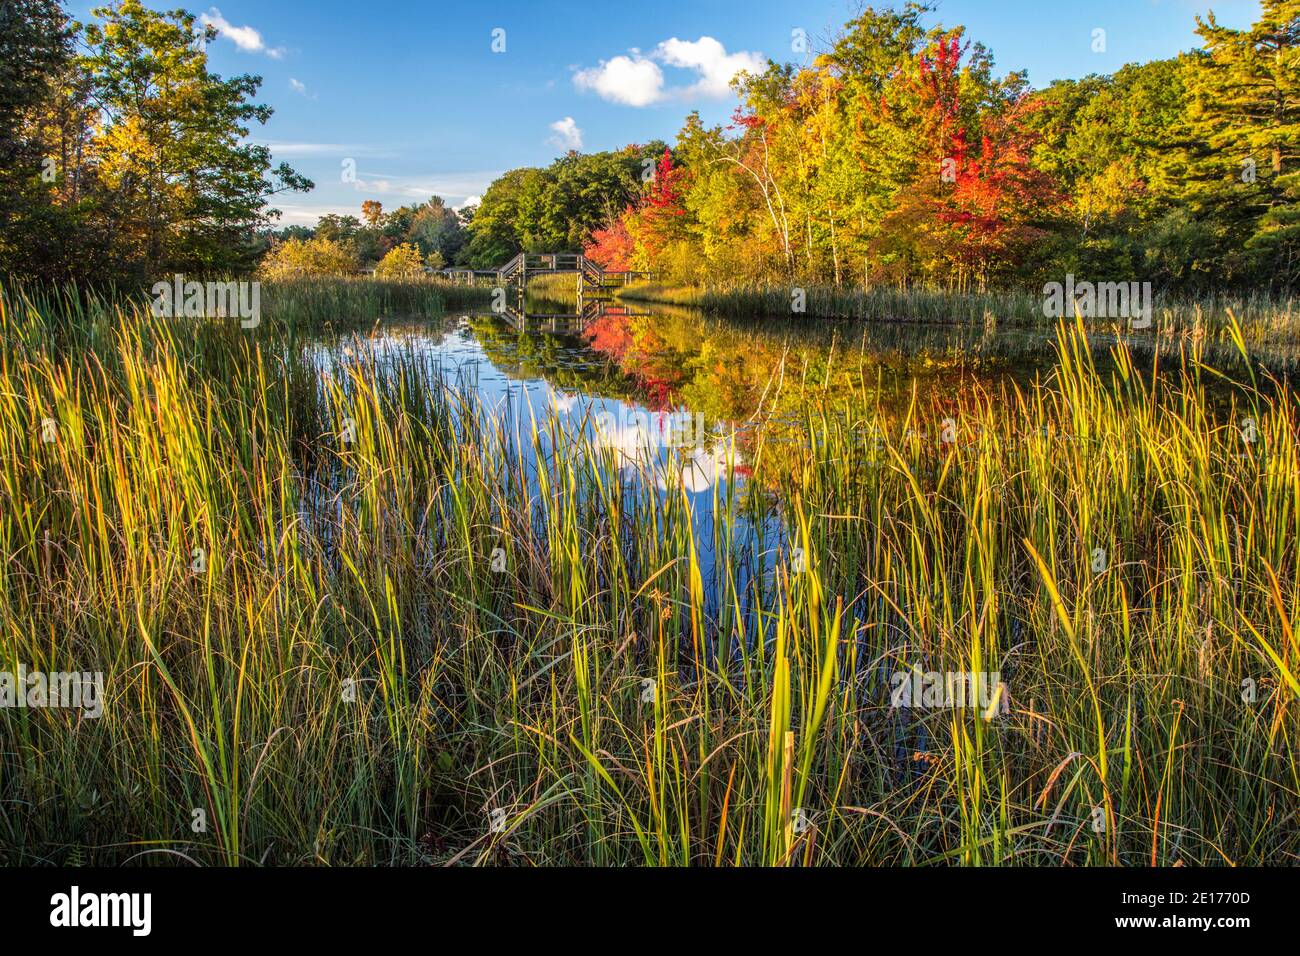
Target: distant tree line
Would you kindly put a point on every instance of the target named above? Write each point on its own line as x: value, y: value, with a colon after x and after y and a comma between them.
x: 414, y: 238
x: 896, y: 156
x: 555, y: 209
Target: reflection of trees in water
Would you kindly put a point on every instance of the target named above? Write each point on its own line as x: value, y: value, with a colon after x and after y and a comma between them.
x: 734, y: 371
x: 563, y: 360
x: 772, y: 378
x: 769, y: 380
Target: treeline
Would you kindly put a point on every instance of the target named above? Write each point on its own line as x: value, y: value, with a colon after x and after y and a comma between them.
x: 122, y: 157
x: 899, y: 157
x: 411, y: 239
x: 896, y: 157
x: 556, y: 208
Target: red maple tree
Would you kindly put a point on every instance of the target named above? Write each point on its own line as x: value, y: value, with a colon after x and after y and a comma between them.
x: 611, y: 247
x: 658, y: 218
x: 971, y: 207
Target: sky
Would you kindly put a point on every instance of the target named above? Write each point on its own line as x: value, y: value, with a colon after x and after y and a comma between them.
x: 398, y: 100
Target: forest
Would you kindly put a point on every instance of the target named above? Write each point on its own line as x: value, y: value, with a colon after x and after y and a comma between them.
x: 901, y: 157
x: 898, y: 156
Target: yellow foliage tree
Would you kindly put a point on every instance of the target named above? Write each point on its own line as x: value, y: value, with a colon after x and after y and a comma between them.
x: 312, y: 257
x: 403, y: 260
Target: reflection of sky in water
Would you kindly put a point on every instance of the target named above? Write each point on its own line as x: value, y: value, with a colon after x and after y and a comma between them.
x: 659, y: 452
x: 667, y: 442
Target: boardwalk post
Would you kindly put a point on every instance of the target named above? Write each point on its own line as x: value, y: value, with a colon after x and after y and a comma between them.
x: 593, y: 282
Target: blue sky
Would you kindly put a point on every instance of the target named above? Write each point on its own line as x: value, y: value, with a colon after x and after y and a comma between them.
x: 412, y: 92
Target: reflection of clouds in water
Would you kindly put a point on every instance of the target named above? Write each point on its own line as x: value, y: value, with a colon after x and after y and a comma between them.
x: 705, y: 467
x: 648, y: 440
x: 633, y: 438
x: 672, y: 448
x: 563, y: 401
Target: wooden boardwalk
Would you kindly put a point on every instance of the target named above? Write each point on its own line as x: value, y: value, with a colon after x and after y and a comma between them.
x: 594, y: 283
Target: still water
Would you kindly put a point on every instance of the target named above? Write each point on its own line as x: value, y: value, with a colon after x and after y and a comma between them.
x: 685, y: 402
x: 662, y: 377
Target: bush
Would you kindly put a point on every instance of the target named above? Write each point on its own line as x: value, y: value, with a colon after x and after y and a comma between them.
x: 311, y: 257
x: 403, y: 260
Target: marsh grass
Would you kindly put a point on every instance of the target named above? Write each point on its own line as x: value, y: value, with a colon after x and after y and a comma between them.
x: 90, y: 318
x: 1264, y: 319
x: 314, y: 304
x: 389, y: 638
x: 562, y: 287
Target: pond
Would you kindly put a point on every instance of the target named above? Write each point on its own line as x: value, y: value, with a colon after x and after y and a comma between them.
x: 686, y: 403
x: 667, y: 377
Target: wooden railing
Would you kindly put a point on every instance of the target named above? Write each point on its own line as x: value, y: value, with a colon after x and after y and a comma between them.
x: 593, y: 279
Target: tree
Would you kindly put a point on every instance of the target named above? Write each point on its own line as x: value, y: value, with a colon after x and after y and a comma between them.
x: 180, y: 189
x: 35, y: 48
x: 556, y: 209
x: 373, y: 212
x: 336, y: 227
x: 299, y: 258
x: 611, y: 247
x: 401, y: 262
x: 1245, y: 91
x: 657, y: 220
x: 35, y: 42
x: 435, y: 228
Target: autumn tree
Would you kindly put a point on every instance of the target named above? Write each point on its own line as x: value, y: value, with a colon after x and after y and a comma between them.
x: 308, y: 258
x: 657, y: 220
x: 611, y: 246
x: 373, y: 212
x: 401, y: 262
x: 977, y: 199
x: 185, y: 187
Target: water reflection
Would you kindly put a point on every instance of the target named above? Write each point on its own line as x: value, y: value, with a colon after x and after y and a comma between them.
x: 538, y: 372
x: 688, y: 405
x: 670, y: 386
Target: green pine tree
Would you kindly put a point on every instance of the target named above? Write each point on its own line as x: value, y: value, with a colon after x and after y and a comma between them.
x: 1245, y: 111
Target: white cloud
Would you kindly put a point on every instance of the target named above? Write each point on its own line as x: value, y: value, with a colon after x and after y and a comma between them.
x: 567, y: 134
x: 564, y: 401
x: 373, y: 186
x: 641, y: 441
x: 457, y: 189
x: 246, y: 38
x: 710, y: 59
x: 292, y: 214
x: 703, y: 468
x: 638, y: 80
x: 300, y: 87
x: 633, y: 82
